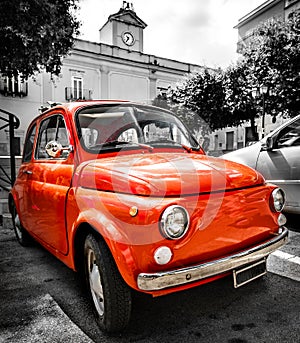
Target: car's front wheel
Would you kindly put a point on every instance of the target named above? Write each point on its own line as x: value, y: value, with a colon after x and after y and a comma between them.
x: 110, y: 295
x: 21, y: 234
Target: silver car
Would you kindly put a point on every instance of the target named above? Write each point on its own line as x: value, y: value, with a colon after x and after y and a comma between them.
x: 277, y: 158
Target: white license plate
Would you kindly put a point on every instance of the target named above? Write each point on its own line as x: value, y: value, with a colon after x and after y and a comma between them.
x: 249, y: 273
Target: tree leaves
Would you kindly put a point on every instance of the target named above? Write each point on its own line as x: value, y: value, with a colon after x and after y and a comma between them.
x: 223, y: 98
x: 275, y: 62
x: 35, y: 35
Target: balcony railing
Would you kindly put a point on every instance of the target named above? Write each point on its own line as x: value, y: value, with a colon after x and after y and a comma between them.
x: 72, y: 94
x: 4, y: 90
x: 13, y: 86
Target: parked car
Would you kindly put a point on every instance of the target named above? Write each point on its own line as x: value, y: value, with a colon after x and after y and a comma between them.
x: 277, y: 158
x: 123, y: 193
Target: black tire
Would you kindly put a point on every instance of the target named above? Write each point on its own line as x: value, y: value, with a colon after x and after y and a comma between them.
x: 110, y: 295
x: 21, y: 234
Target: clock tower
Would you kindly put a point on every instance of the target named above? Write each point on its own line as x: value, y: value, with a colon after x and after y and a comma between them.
x: 124, y: 29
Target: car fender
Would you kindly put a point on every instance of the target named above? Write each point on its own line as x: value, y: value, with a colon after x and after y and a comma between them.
x: 113, y: 236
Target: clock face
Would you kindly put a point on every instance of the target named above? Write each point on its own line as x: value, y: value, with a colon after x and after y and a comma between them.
x: 128, y: 38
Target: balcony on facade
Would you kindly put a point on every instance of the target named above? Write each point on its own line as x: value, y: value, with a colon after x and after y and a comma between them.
x: 13, y: 87
x: 73, y: 94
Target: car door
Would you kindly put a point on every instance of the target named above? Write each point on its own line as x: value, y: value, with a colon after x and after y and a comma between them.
x: 22, y: 183
x: 281, y: 164
x: 50, y: 179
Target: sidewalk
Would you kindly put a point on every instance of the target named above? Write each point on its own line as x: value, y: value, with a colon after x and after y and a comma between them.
x: 49, y: 325
x: 40, y: 319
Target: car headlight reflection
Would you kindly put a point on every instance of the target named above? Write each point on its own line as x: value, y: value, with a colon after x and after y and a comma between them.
x: 174, y: 222
x: 277, y: 200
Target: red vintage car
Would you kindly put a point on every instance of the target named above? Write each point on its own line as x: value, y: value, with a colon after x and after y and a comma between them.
x: 123, y: 193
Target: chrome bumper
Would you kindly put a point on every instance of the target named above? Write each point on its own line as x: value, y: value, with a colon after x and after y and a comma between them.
x: 161, y: 280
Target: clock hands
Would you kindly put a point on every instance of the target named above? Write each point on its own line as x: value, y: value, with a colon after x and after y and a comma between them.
x: 128, y: 38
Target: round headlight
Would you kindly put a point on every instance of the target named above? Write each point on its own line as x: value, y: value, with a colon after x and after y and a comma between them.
x: 174, y: 222
x: 277, y: 200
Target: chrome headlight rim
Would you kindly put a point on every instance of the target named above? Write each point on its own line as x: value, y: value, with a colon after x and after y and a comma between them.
x: 163, y: 225
x: 277, y: 200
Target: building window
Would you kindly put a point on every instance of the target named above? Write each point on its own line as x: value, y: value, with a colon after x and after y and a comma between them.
x: 13, y: 86
x: 76, y: 92
x: 77, y: 84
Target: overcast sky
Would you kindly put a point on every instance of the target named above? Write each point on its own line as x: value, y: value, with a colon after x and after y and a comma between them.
x: 193, y: 31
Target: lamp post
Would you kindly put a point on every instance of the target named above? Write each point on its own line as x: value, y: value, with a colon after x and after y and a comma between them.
x: 256, y: 92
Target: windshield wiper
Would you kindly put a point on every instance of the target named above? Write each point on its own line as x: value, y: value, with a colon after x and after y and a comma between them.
x: 145, y: 146
x: 107, y: 144
x: 167, y: 141
x: 150, y: 148
x: 116, y: 143
x: 187, y: 148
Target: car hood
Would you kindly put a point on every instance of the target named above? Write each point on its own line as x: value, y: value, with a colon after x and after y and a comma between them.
x: 166, y: 174
x: 247, y: 155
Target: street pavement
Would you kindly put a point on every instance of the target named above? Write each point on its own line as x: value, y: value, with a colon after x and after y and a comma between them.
x: 39, y: 318
x: 286, y: 261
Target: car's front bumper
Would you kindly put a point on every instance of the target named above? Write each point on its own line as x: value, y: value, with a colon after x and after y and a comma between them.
x: 173, y: 278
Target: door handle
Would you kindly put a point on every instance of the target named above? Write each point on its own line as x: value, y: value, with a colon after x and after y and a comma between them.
x: 29, y: 172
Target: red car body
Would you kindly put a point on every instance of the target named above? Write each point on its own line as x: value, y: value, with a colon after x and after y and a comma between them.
x: 118, y: 189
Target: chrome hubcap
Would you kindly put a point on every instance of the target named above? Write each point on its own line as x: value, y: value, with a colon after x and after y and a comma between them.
x: 95, y: 282
x: 18, y: 226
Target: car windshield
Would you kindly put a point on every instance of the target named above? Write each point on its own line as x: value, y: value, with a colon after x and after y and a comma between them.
x: 107, y: 127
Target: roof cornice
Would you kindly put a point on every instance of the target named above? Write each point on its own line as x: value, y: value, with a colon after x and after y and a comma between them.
x: 119, y: 16
x: 257, y: 11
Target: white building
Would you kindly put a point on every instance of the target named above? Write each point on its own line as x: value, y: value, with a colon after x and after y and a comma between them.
x: 115, y: 68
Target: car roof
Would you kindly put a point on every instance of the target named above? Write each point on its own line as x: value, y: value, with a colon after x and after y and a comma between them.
x: 70, y: 107
x: 73, y: 106
x: 286, y: 123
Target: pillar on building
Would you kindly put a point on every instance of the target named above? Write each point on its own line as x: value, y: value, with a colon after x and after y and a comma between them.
x: 153, y: 86
x: 104, y: 71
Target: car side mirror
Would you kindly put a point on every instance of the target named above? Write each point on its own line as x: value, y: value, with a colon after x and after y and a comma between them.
x: 55, y: 149
x: 269, y: 144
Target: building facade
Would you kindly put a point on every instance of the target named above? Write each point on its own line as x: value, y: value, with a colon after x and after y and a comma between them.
x: 115, y: 68
x: 268, y: 10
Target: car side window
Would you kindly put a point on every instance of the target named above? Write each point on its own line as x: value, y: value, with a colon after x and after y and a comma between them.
x: 290, y: 135
x: 51, y: 129
x: 28, y: 146
x: 129, y: 135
